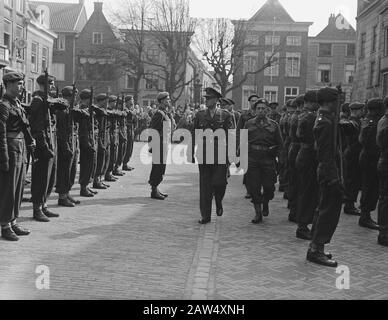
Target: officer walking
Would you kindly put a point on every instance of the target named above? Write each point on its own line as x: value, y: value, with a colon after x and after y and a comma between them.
x: 264, y: 141
x: 159, y: 118
x: 131, y: 126
x: 331, y: 189
x: 123, y: 138
x: 212, y: 174
x: 14, y: 137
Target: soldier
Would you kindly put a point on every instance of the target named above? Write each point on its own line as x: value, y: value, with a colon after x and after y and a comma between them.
x: 114, y: 138
x: 67, y: 149
x: 159, y: 118
x: 123, y: 138
x: 306, y: 164
x: 14, y: 136
x: 85, y: 118
x: 369, y: 158
x: 293, y: 178
x: 331, y: 189
x: 382, y: 142
x: 245, y: 117
x: 274, y: 114
x: 42, y: 120
x: 103, y: 143
x: 213, y: 175
x: 131, y: 126
x: 265, y: 141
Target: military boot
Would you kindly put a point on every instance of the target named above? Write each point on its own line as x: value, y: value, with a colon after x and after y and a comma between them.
x: 265, y: 209
x: 366, y: 221
x: 259, y: 216
x: 155, y: 194
x: 316, y: 254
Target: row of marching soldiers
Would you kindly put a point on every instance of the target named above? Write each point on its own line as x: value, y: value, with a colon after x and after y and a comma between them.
x: 331, y: 151
x: 57, y: 134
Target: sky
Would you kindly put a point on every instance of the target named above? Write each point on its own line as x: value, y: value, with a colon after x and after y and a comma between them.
x: 317, y: 11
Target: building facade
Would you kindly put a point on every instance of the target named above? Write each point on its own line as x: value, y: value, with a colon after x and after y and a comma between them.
x: 371, y: 78
x: 273, y: 32
x: 332, y: 56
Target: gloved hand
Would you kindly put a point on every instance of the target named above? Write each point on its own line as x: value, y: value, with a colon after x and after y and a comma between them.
x: 4, y: 166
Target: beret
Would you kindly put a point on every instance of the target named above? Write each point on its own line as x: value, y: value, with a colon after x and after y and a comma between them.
x: 345, y: 107
x: 162, y: 95
x: 299, y: 100
x: 85, y: 94
x: 128, y: 98
x: 112, y: 98
x: 289, y: 103
x: 310, y: 96
x: 225, y: 102
x: 327, y: 95
x: 253, y: 96
x: 42, y: 77
x: 101, y: 97
x: 375, y: 103
x: 293, y: 103
x: 68, y: 91
x: 211, y: 93
x: 13, y: 76
x: 356, y: 106
x: 261, y: 101
x: 273, y: 104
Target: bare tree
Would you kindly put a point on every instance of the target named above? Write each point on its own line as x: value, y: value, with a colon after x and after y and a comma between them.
x: 223, y: 44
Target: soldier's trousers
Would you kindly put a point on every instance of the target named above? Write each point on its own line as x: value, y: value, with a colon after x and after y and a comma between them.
x: 73, y: 170
x: 261, y: 176
x: 53, y: 179
x: 283, y: 169
x: 212, y: 182
x: 106, y: 160
x: 352, y: 179
x: 383, y: 203
x: 114, y: 148
x: 43, y: 174
x: 87, y: 165
x: 293, y: 180
x: 156, y: 175
x: 370, y: 186
x: 121, y: 152
x: 129, y: 149
x: 65, y: 172
x: 12, y: 182
x: 330, y: 205
x: 100, y: 165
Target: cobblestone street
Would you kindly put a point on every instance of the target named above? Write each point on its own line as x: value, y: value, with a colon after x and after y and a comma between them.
x: 123, y: 245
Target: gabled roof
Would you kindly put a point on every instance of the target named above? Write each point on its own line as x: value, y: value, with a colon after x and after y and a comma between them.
x: 270, y: 10
x: 337, y: 29
x: 63, y: 16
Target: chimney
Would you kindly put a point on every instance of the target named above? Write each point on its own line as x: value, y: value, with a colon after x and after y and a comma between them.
x: 332, y: 19
x: 98, y: 6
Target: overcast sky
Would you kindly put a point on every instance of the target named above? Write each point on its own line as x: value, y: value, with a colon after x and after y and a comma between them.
x: 317, y: 11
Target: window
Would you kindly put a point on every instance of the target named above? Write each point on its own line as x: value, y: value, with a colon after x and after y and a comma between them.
x: 374, y: 39
x: 385, y: 84
x: 324, y: 73
x: 152, y: 81
x: 7, y: 33
x: 325, y: 49
x: 274, y: 69
x: 60, y: 42
x: 42, y: 16
x: 386, y: 41
x: 290, y: 93
x: 271, y: 94
x: 351, y: 50
x: 97, y: 38
x: 252, y: 39
x: 250, y: 61
x: 272, y: 40
x: 8, y: 3
x: 130, y: 82
x: 294, y: 40
x: 153, y: 55
x: 247, y: 92
x: 362, y: 44
x: 58, y: 71
x: 349, y: 73
x: 293, y: 64
x: 45, y: 57
x: 20, y: 5
x: 372, y: 73
x: 19, y: 36
x: 34, y: 56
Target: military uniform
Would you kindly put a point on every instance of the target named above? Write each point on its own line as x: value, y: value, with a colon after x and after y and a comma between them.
x: 382, y: 142
x: 284, y: 129
x: 123, y: 139
x: 114, y: 140
x: 131, y: 120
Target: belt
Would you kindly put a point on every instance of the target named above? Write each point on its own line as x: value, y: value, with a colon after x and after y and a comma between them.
x: 15, y: 135
x: 259, y: 147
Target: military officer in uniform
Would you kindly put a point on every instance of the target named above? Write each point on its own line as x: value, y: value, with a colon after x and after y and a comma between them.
x: 369, y: 158
x: 306, y: 164
x: 114, y: 138
x: 212, y: 174
x: 244, y: 118
x: 331, y: 189
x: 131, y: 124
x: 43, y: 176
x: 123, y: 138
x: 265, y: 142
x: 274, y: 114
x: 14, y: 137
x: 382, y: 142
x: 160, y: 117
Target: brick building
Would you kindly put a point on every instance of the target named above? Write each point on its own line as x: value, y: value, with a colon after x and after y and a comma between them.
x: 332, y: 56
x: 272, y: 30
x: 66, y: 20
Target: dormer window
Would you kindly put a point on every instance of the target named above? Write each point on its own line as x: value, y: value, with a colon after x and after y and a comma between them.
x: 97, y: 38
x: 41, y: 16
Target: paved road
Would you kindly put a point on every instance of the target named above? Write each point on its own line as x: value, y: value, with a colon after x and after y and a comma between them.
x: 123, y: 245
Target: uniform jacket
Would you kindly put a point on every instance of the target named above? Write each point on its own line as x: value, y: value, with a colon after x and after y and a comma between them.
x: 103, y: 132
x: 305, y: 134
x: 370, y: 151
x: 382, y: 143
x: 85, y: 131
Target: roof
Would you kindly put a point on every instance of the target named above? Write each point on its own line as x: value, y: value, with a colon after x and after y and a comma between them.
x: 338, y: 29
x: 270, y: 10
x: 63, y: 16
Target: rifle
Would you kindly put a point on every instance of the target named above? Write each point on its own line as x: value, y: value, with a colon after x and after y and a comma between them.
x: 91, y: 115
x: 1, y: 91
x: 72, y: 103
x: 47, y: 106
x: 337, y: 133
